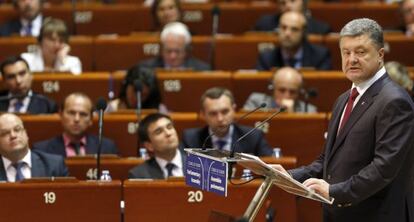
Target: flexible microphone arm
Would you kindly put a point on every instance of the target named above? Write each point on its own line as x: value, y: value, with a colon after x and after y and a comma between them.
x: 242, y: 117
x: 253, y: 129
x: 100, y: 106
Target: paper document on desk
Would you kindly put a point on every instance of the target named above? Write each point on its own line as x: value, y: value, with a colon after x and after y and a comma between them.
x: 285, y: 182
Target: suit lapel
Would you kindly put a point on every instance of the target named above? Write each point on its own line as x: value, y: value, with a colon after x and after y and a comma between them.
x: 204, y: 135
x: 363, y: 104
x: 38, y: 169
x: 155, y: 170
x: 3, y: 175
x: 91, y: 145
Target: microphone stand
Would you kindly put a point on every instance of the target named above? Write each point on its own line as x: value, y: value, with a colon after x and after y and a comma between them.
x: 215, y: 11
x: 138, y: 88
x: 98, y: 158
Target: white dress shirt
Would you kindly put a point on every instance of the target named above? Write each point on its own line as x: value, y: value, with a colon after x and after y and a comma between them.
x: 11, y: 171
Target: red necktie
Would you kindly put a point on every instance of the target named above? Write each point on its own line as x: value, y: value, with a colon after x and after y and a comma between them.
x: 349, y: 107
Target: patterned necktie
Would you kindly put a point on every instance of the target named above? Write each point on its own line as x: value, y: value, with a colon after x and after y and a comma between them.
x: 349, y: 107
x: 76, y: 147
x: 19, y: 174
x: 170, y: 167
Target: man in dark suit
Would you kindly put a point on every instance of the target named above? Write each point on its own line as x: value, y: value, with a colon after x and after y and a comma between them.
x: 19, y: 97
x: 76, y: 117
x: 158, y: 135
x: 17, y: 162
x: 29, y: 21
x: 175, y: 50
x: 367, y: 165
x: 271, y: 22
x: 218, y: 110
x: 294, y: 49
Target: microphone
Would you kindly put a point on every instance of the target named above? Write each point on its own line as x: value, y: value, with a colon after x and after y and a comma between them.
x: 215, y: 12
x: 307, y: 94
x: 242, y: 117
x: 138, y: 91
x: 233, y: 147
x: 100, y: 106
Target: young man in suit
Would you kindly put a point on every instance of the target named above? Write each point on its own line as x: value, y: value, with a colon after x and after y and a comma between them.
x: 294, y: 50
x: 158, y: 135
x: 76, y: 117
x: 218, y: 110
x: 17, y: 161
x: 18, y: 96
x: 29, y: 21
x: 367, y: 165
x: 175, y: 50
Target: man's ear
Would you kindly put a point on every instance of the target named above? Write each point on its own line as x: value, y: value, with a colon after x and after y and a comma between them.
x: 149, y: 147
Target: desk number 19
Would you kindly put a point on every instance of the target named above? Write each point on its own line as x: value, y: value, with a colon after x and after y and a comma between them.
x: 50, y: 197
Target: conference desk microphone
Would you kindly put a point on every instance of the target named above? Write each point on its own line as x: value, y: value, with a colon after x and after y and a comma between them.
x: 100, y: 106
x: 138, y: 92
x: 242, y: 117
x: 233, y: 146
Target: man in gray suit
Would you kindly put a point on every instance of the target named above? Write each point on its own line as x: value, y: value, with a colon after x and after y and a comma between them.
x: 17, y: 162
x: 367, y: 163
x: 287, y: 84
x: 175, y: 50
x: 158, y: 135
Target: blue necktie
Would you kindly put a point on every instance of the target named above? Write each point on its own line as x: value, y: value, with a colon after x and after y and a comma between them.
x: 18, y: 106
x: 292, y: 62
x: 28, y: 29
x: 19, y: 174
x: 221, y: 144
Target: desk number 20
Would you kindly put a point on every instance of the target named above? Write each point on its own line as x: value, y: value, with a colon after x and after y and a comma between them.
x: 195, y: 196
x: 50, y: 197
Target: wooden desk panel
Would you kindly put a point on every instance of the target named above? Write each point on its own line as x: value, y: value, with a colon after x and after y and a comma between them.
x: 181, y: 91
x: 73, y: 201
x: 299, y: 135
x: 171, y: 201
x: 84, y: 167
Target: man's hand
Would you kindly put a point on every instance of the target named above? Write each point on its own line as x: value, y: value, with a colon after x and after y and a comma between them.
x: 319, y: 186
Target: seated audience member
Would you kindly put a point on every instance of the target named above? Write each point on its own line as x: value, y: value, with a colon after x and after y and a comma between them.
x: 150, y: 94
x: 218, y: 110
x: 17, y: 161
x: 286, y: 83
x: 29, y: 19
x: 294, y: 49
x: 76, y: 117
x: 399, y: 73
x: 271, y: 22
x: 18, y: 96
x: 52, y: 53
x: 164, y: 12
x: 175, y: 50
x: 407, y: 11
x: 158, y: 135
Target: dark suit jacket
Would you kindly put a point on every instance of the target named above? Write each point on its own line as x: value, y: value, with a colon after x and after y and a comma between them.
x: 150, y: 169
x: 369, y: 164
x: 11, y: 27
x: 43, y: 165
x: 55, y: 145
x: 190, y: 63
x: 255, y: 143
x: 313, y: 56
x: 39, y: 104
x: 271, y: 23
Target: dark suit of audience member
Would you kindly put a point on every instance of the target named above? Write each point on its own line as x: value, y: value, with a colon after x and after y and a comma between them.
x: 38, y: 104
x: 43, y: 165
x: 315, y: 56
x: 150, y: 169
x: 56, y: 146
x: 271, y: 23
x: 254, y: 143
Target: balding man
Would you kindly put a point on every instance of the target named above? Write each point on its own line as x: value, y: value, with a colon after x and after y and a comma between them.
x: 17, y: 161
x: 286, y: 83
x: 271, y: 22
x: 76, y: 117
x: 294, y: 49
x: 175, y: 50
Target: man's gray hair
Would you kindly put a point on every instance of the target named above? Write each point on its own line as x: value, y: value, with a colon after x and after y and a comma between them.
x: 177, y: 29
x: 362, y: 26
